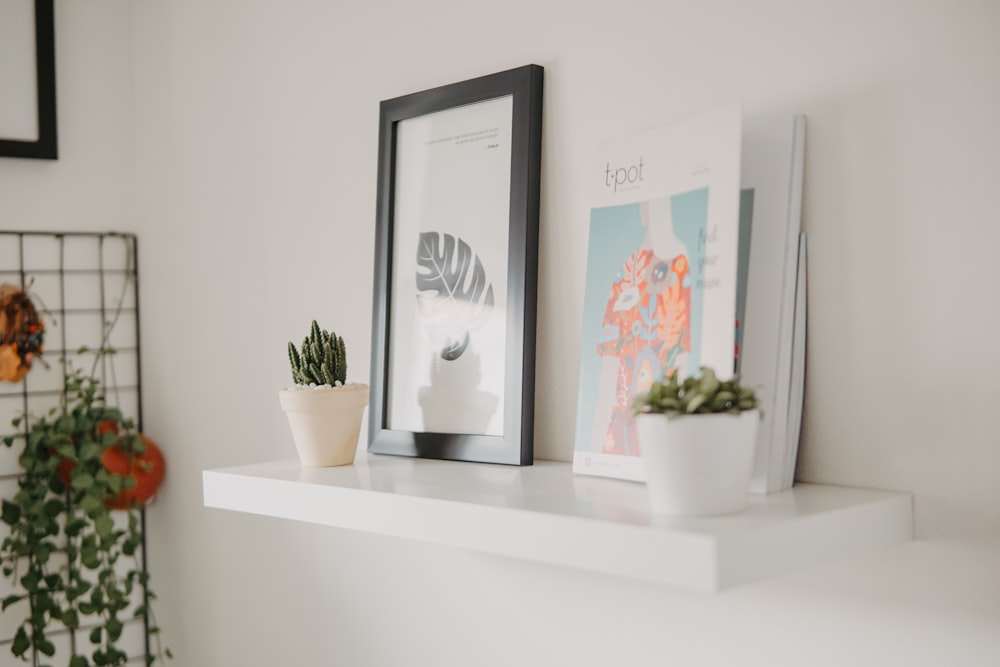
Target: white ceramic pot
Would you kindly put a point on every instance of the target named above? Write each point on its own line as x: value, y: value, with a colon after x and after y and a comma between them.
x: 325, y: 422
x: 698, y: 464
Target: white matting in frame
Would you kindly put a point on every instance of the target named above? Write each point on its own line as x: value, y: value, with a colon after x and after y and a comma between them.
x: 447, y: 346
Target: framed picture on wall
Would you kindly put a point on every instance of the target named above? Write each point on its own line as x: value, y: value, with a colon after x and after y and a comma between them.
x: 27, y: 79
x: 456, y: 254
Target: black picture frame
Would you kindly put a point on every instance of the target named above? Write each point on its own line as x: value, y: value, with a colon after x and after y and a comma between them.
x: 514, y: 445
x: 46, y: 146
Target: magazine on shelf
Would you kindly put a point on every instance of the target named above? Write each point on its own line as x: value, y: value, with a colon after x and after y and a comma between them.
x: 772, y: 168
x: 661, y: 283
x: 796, y: 394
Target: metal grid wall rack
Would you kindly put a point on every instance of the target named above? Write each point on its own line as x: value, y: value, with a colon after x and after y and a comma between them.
x: 76, y: 280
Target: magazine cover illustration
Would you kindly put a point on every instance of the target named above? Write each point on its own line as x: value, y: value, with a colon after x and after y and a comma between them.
x: 661, y: 285
x: 642, y: 309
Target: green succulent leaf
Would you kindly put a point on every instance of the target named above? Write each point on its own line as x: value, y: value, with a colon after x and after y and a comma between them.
x: 322, y: 358
x: 696, y: 402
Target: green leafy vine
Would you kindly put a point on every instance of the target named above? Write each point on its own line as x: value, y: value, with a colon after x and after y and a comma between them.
x: 75, y: 563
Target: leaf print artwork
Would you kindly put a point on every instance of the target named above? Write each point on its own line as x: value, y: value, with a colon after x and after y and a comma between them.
x: 454, y: 296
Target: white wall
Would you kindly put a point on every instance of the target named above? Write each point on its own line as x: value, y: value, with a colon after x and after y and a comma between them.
x: 255, y: 155
x: 91, y: 186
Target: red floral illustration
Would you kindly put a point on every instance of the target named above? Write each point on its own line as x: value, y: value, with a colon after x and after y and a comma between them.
x: 646, y: 325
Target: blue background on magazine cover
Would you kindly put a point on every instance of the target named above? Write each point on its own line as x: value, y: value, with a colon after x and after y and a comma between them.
x: 615, y: 233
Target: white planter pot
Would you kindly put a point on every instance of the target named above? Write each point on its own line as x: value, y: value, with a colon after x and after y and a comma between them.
x: 325, y: 422
x: 698, y: 464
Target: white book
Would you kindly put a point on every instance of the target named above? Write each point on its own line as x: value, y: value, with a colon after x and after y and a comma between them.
x: 660, y: 291
x: 772, y: 166
x: 796, y: 395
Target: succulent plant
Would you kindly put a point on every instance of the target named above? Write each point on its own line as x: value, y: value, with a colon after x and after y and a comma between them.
x: 322, y: 360
x: 695, y: 395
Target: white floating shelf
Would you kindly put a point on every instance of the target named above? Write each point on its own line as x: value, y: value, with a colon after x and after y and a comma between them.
x: 546, y: 513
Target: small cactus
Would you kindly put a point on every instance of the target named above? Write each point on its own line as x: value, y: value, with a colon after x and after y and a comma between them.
x: 323, y: 359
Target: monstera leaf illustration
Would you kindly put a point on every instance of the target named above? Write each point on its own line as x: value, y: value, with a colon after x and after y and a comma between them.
x: 454, y: 296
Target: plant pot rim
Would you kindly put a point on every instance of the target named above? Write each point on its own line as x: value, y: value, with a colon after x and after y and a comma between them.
x: 702, y: 415
x: 353, y: 386
x: 323, y: 398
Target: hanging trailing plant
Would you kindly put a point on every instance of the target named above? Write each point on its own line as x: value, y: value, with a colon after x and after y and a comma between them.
x: 75, y: 533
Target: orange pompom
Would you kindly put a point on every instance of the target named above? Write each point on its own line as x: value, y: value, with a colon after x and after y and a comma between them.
x: 148, y: 469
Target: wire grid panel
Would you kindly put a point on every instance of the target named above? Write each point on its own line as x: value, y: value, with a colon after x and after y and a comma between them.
x: 84, y: 285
